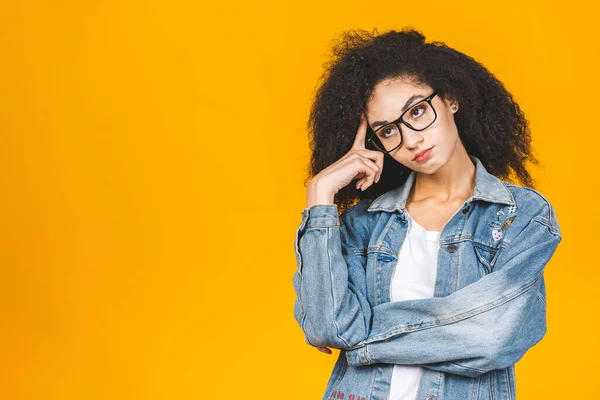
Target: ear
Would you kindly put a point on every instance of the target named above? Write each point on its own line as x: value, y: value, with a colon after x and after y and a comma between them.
x: 451, y: 103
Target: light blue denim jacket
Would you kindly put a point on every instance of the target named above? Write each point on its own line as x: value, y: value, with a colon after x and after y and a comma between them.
x: 489, y: 302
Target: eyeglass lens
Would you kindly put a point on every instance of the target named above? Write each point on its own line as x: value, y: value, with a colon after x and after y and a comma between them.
x: 420, y: 116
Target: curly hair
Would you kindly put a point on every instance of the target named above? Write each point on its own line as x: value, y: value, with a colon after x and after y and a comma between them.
x: 490, y: 123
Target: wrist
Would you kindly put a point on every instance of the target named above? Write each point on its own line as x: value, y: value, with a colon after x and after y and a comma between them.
x: 317, y: 193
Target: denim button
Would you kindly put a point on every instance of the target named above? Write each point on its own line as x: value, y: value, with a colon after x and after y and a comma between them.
x: 430, y: 398
x: 451, y: 248
x: 466, y: 209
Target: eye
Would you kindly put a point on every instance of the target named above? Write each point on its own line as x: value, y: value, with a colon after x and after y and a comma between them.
x: 417, y: 111
x: 388, y: 131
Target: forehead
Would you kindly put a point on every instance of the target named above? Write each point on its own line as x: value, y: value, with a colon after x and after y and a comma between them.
x: 390, y: 96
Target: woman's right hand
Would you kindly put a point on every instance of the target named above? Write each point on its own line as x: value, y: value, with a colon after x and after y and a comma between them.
x: 367, y: 165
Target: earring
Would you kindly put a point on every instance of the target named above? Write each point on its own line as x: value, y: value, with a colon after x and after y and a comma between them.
x: 454, y: 108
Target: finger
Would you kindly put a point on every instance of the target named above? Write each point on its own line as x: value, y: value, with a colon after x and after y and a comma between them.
x: 371, y: 170
x: 324, y: 350
x: 375, y: 156
x: 361, y: 134
x: 367, y: 181
x: 369, y: 177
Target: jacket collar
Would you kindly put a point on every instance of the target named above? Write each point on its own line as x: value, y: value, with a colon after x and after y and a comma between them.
x: 487, y: 188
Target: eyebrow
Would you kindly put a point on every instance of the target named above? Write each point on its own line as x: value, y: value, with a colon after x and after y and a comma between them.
x: 406, y: 105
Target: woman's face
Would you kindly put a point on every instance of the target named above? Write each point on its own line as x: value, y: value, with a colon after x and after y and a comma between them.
x: 389, y: 98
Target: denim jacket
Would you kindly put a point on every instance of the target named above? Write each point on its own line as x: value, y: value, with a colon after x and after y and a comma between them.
x: 489, y: 302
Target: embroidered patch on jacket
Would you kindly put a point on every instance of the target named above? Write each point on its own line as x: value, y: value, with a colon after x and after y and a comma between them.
x: 341, y: 395
x: 497, y: 235
x: 504, y: 219
x: 507, y: 222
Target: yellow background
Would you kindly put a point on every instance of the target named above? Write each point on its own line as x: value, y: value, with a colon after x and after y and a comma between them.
x: 152, y: 171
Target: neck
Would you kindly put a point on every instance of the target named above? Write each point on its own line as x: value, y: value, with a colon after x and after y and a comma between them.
x: 454, y: 180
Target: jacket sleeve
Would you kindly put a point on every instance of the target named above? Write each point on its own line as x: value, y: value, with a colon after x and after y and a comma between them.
x: 486, y: 325
x: 331, y: 306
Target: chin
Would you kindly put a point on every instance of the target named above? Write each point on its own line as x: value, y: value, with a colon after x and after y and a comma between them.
x: 429, y: 168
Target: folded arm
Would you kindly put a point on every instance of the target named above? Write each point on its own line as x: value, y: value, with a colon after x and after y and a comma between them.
x: 487, y: 325
x: 331, y: 305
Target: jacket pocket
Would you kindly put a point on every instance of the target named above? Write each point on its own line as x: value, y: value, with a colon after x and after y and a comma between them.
x: 386, y: 255
x: 487, y: 257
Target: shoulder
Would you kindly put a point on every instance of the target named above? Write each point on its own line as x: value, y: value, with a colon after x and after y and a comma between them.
x: 358, y: 214
x: 357, y: 222
x: 534, y: 204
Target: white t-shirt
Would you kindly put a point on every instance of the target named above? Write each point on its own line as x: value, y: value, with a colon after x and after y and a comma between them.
x: 414, y: 278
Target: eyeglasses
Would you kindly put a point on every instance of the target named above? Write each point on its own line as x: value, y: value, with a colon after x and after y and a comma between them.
x: 418, y: 118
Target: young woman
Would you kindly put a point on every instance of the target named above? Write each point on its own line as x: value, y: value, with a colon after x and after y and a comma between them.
x: 427, y: 271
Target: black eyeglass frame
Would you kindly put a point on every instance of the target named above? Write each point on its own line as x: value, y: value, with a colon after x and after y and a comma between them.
x: 428, y: 99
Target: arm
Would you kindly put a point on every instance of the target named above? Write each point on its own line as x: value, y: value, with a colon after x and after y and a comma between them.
x: 487, y: 325
x: 331, y: 305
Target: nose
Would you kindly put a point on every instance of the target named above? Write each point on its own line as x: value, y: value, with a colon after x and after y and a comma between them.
x: 411, y: 138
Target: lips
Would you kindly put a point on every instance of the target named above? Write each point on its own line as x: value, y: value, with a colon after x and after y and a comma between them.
x: 422, y: 152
